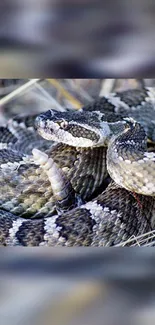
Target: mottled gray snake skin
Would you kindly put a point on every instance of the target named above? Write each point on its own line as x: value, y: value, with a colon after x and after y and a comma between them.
x: 80, y: 178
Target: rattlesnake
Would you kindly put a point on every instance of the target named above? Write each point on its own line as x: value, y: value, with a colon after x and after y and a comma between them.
x: 91, y: 209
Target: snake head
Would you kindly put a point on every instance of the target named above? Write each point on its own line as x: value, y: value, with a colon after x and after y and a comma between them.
x: 79, y: 129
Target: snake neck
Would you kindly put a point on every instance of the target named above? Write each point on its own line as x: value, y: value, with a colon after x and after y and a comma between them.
x: 131, y: 143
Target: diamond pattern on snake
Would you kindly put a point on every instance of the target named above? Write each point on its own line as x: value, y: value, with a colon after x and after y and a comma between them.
x: 80, y: 178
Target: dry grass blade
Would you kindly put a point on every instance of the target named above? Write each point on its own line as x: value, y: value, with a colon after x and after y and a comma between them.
x: 65, y: 93
x: 106, y: 87
x: 49, y: 97
x: 76, y: 86
x: 141, y: 239
x: 18, y: 92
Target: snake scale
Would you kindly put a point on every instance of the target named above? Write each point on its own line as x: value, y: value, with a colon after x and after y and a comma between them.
x: 80, y: 178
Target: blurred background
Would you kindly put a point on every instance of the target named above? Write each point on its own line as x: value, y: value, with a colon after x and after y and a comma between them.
x: 81, y: 286
x: 80, y: 39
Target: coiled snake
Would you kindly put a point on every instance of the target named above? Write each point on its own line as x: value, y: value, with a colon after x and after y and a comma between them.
x: 94, y: 187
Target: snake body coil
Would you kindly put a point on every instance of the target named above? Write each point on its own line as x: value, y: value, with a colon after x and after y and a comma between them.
x: 62, y: 194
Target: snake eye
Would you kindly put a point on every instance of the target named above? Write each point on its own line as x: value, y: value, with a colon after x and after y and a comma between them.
x: 63, y: 124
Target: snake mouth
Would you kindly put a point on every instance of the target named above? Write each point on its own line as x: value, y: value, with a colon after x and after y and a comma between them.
x: 42, y: 129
